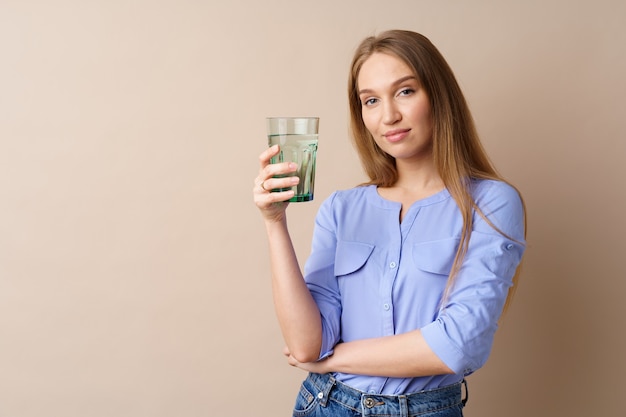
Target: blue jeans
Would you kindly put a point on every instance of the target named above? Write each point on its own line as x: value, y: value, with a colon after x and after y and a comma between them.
x: 323, y: 396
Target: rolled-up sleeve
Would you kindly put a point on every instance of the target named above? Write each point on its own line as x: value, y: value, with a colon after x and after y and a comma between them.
x: 320, y: 278
x: 463, y: 331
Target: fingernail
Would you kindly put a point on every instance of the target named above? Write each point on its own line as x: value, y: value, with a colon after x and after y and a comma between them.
x: 293, y: 166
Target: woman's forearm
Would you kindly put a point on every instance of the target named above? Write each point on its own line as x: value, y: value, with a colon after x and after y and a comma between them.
x: 402, y: 356
x: 297, y: 312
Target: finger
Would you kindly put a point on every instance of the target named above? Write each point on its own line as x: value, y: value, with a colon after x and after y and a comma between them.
x: 278, y: 183
x: 282, y: 169
x: 272, y: 204
x: 266, y: 155
x: 258, y: 182
x: 271, y: 199
x: 292, y: 361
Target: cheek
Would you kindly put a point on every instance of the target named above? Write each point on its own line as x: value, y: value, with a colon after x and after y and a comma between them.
x: 422, y: 119
x: 427, y: 120
x: 426, y: 114
x: 369, y: 122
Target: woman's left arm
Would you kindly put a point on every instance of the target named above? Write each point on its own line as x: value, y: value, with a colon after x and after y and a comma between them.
x: 401, y: 356
x: 459, y: 339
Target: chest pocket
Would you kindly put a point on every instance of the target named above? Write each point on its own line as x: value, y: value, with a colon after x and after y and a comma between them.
x: 351, y: 256
x: 435, y: 256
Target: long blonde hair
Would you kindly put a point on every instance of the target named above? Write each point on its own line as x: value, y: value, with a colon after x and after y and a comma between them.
x: 457, y: 151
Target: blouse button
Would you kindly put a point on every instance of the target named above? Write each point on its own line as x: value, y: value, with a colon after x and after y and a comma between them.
x: 392, y: 265
x: 509, y: 246
x: 386, y: 306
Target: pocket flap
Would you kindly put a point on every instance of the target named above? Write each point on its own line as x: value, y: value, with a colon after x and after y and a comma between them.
x: 351, y: 256
x: 435, y: 256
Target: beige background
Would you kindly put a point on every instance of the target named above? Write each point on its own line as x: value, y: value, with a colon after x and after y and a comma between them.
x: 133, y: 271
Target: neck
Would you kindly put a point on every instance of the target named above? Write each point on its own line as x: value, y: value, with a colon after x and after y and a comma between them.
x: 418, y: 177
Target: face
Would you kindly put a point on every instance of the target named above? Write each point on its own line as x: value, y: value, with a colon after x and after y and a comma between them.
x: 395, y: 108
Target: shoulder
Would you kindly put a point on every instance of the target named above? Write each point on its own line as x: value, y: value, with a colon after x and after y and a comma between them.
x: 359, y: 192
x: 345, y: 205
x: 348, y: 197
x: 502, y: 204
x: 492, y: 192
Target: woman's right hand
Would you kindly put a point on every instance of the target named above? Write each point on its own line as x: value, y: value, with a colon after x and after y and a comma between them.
x: 273, y: 204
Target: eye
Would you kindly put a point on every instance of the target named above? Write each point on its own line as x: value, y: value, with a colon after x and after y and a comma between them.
x: 369, y: 101
x: 406, y: 92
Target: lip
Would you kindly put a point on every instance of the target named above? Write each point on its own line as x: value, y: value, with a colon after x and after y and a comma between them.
x: 396, y: 135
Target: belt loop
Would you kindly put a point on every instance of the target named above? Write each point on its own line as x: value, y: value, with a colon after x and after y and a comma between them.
x: 464, y: 400
x: 325, y: 393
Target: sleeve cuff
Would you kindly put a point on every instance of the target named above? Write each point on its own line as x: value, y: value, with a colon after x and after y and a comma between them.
x: 326, y: 354
x: 439, y: 342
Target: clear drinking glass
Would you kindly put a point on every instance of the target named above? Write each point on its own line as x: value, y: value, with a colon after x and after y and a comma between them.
x: 297, y: 137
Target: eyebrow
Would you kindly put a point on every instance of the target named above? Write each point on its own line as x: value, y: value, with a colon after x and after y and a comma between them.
x: 396, y: 82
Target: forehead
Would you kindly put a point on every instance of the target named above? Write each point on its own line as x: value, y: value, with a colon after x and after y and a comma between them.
x: 380, y: 70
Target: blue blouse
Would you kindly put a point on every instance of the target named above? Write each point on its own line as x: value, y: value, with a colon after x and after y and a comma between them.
x: 372, y: 275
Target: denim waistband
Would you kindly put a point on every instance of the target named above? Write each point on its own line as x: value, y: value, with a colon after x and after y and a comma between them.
x: 328, y: 388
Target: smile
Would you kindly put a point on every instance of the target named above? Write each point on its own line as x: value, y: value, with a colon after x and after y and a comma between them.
x: 396, y: 135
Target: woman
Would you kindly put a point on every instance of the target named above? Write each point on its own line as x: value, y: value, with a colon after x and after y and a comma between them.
x: 409, y: 273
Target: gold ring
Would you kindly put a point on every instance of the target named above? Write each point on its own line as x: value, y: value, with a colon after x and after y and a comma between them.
x: 263, y: 185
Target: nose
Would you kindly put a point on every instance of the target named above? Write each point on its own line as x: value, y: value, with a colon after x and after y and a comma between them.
x: 391, y: 114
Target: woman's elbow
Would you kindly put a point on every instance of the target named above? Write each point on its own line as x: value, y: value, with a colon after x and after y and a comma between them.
x: 305, y: 354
